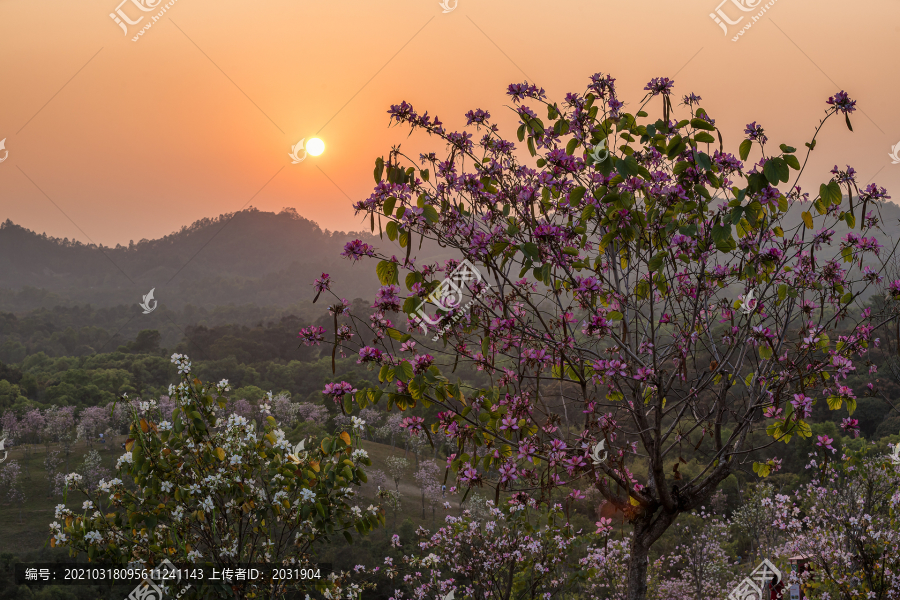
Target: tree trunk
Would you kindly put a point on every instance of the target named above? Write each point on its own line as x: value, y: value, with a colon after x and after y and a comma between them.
x: 638, y: 562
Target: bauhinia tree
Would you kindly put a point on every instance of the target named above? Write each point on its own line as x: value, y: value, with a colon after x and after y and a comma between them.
x: 628, y: 282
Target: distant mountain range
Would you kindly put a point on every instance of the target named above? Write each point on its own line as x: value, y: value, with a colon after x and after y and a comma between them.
x: 248, y: 257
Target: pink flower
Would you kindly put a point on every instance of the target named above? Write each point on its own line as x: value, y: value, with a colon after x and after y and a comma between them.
x: 413, y: 425
x: 357, y: 249
x: 604, y: 526
x: 337, y: 391
x: 851, y: 426
x: 322, y: 284
x: 312, y: 335
x: 421, y: 363
x: 368, y: 354
x: 825, y: 442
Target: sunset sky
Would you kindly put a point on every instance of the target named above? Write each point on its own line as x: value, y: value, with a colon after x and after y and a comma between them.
x: 111, y: 140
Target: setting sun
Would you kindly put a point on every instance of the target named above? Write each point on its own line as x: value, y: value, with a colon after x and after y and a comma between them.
x: 315, y: 146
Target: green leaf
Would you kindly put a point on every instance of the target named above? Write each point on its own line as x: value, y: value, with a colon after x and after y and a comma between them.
x: 398, y: 335
x: 835, y: 402
x: 425, y: 174
x: 765, y: 351
x: 704, y: 161
x: 792, y: 162
x: 531, y: 147
x: 782, y: 169
x: 628, y: 167
x: 657, y: 261
x: 762, y: 469
x: 379, y: 169
x: 614, y: 315
x: 411, y: 304
x: 704, y: 138
x: 389, y: 206
x: 770, y: 170
x: 722, y: 238
x: 745, y: 148
x: 576, y: 195
x: 831, y: 193
x: 521, y: 132
x: 391, y: 229
x: 570, y: 147
x: 787, y: 149
x: 676, y: 146
x: 847, y: 254
x: 430, y: 213
x: 387, y: 272
x: 807, y: 219
x: 702, y: 124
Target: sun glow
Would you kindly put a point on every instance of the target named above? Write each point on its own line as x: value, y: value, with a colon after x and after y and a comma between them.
x: 315, y: 146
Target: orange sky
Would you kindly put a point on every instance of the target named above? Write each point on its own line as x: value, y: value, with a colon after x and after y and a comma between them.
x: 111, y: 140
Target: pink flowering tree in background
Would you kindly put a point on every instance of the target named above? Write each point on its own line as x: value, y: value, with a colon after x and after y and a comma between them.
x: 314, y: 413
x: 11, y: 484
x: 698, y: 568
x: 92, y: 421
x: 60, y: 428
x: 846, y: 521
x: 391, y: 428
x: 606, y: 568
x: 504, y: 557
x: 426, y: 476
x: 753, y: 521
x: 637, y: 285
x: 9, y: 423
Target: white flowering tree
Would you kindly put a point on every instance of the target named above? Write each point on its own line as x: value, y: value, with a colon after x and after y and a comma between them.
x: 516, y: 553
x: 846, y: 521
x: 196, y: 489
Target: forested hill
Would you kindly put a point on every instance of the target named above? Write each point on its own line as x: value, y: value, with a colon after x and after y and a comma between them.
x: 246, y: 257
